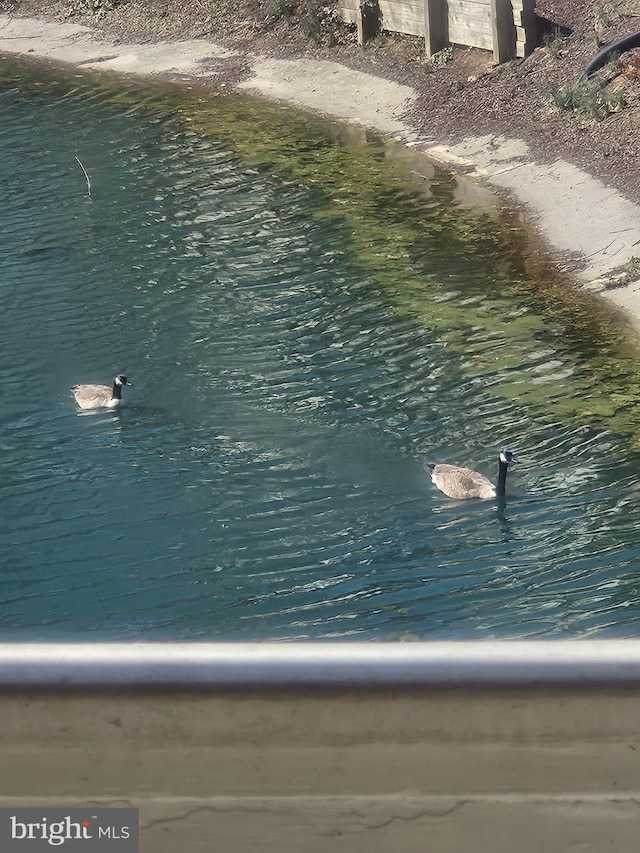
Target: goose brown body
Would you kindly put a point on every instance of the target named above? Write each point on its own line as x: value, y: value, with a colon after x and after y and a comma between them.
x: 464, y: 483
x: 100, y: 396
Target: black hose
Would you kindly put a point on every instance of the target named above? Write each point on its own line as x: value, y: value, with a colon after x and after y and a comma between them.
x: 601, y: 58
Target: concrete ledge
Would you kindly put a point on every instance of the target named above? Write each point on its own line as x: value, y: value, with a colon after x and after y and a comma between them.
x: 421, y: 759
x: 335, y: 747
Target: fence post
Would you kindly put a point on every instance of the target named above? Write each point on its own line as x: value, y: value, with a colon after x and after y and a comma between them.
x: 503, y: 30
x: 368, y: 20
x: 526, y: 24
x: 436, y: 34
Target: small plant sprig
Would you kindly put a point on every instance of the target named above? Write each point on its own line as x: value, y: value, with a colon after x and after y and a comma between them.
x: 553, y: 41
x: 276, y: 11
x: 439, y: 59
x: 314, y: 18
x: 608, y: 13
x: 631, y: 268
x: 625, y: 274
x: 311, y: 20
x: 97, y: 8
x: 589, y: 99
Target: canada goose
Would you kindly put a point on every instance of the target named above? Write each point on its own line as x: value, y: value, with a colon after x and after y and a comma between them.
x: 462, y: 483
x: 100, y: 396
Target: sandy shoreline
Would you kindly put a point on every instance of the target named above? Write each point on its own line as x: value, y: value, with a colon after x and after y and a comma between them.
x: 576, y: 214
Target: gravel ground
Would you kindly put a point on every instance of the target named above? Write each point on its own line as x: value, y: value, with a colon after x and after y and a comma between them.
x: 463, y: 94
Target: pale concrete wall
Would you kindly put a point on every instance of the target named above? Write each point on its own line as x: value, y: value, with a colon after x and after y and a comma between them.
x: 457, y: 764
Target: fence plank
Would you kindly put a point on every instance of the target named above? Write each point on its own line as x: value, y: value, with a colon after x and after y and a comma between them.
x: 403, y: 17
x: 460, y: 25
x: 348, y: 10
x: 406, y: 17
x: 508, y: 27
x: 470, y: 12
x: 472, y: 39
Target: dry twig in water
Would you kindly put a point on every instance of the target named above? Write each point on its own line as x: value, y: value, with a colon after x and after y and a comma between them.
x: 86, y: 176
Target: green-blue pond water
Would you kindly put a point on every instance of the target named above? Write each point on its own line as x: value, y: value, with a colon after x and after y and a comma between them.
x: 304, y: 328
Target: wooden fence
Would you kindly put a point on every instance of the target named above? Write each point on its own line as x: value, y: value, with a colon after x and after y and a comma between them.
x: 506, y: 27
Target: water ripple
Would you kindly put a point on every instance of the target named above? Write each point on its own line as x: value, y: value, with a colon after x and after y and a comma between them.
x: 265, y: 479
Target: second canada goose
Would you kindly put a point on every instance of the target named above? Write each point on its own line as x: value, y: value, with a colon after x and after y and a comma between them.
x: 100, y: 396
x: 463, y: 483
